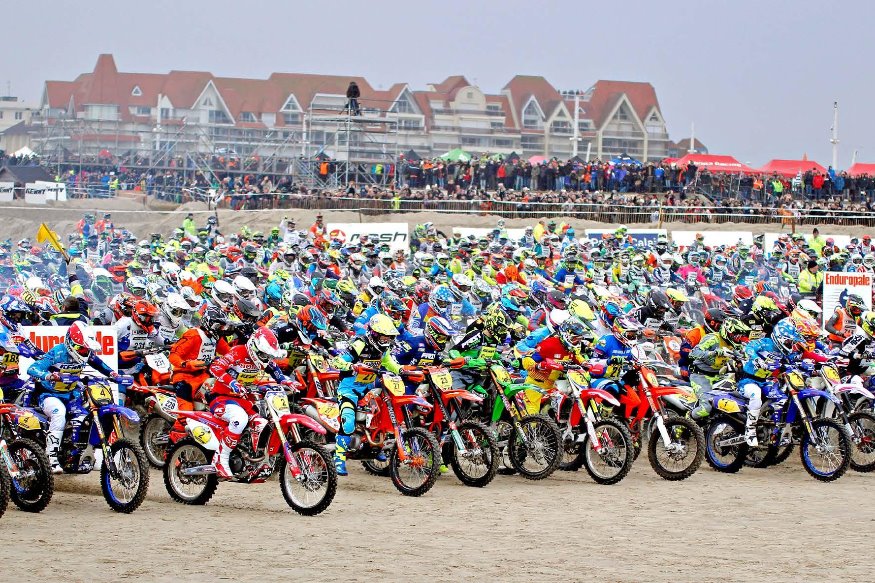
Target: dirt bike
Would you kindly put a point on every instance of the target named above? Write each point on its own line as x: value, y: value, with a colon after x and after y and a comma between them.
x: 307, y: 477
x: 26, y: 474
x: 319, y: 401
x: 602, y: 445
x: 676, y: 445
x: 787, y: 417
x: 94, y: 424
x: 384, y: 427
x: 529, y: 443
x: 153, y: 370
x: 854, y: 413
x: 468, y: 446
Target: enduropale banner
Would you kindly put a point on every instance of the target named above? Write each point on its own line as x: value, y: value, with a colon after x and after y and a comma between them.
x: 646, y: 236
x: 712, y: 238
x: 34, y: 194
x: 837, y: 285
x: 395, y: 234
x: 47, y: 337
x: 7, y: 191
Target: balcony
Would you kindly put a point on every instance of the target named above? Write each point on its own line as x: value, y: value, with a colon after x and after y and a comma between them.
x: 445, y: 111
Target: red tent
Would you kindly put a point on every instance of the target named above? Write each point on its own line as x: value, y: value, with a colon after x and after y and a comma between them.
x: 791, y: 167
x: 715, y: 163
x: 859, y: 168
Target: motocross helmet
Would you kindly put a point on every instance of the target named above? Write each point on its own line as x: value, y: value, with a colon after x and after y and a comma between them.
x: 222, y: 294
x: 714, y: 318
x: 627, y: 330
x: 734, y: 331
x: 574, y: 335
x: 214, y: 322
x: 144, y: 314
x: 659, y: 303
x: 787, y: 338
x: 79, y: 342
x: 174, y: 308
x: 437, y: 332
x: 262, y: 347
x: 677, y: 299
x: 867, y: 323
x: 440, y: 298
x: 765, y: 310
x: 381, y: 332
x: 854, y: 305
x: 246, y: 310
x: 311, y: 319
x: 742, y: 298
x: 392, y: 306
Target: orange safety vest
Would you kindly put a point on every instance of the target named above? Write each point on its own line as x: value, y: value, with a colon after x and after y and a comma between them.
x: 839, y: 325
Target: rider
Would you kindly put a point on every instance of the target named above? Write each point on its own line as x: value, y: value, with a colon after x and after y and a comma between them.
x: 840, y: 325
x: 193, y: 353
x: 237, y: 372
x: 52, y: 394
x: 358, y: 368
x: 709, y: 357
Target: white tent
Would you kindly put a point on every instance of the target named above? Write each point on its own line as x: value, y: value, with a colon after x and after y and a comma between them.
x: 24, y: 152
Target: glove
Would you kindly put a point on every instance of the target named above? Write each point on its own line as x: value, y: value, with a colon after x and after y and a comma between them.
x: 235, y: 387
x: 616, y: 360
x: 363, y: 369
x: 457, y: 362
x: 121, y: 379
x: 197, y: 364
x: 549, y: 364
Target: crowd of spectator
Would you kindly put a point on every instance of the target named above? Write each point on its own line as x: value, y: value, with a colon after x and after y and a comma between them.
x: 512, y: 186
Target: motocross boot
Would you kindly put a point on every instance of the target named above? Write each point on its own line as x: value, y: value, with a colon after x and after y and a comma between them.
x: 750, y: 430
x: 53, y: 445
x: 341, y: 446
x: 223, y: 455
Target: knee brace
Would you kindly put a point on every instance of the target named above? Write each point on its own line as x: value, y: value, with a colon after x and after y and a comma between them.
x: 754, y: 396
x: 347, y: 417
x: 236, y: 417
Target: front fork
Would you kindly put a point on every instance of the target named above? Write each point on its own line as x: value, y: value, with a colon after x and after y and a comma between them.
x: 11, y: 466
x: 287, y: 450
x: 660, y: 420
x: 451, y: 423
x: 588, y: 414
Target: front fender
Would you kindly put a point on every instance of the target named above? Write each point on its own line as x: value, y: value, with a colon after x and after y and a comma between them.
x: 461, y: 394
x: 290, y: 419
x: 600, y: 394
x: 854, y: 390
x: 128, y: 414
x: 411, y: 400
x: 815, y: 393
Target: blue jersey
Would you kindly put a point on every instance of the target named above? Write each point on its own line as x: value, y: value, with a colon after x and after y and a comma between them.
x: 58, y: 359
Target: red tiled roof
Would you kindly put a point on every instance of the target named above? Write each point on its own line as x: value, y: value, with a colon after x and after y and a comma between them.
x: 605, y: 94
x: 523, y: 87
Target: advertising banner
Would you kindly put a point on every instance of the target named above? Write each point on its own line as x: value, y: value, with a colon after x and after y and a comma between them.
x: 646, y: 236
x: 7, y: 191
x: 34, y: 194
x: 47, y: 337
x: 396, y: 235
x: 837, y: 285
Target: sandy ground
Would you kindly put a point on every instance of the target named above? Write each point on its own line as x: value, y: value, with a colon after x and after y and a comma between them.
x: 21, y: 220
x: 776, y: 524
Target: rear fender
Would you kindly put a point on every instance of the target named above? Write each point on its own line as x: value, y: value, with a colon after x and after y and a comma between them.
x: 728, y: 402
x: 511, y: 390
x: 290, y: 419
x: 854, y: 390
x: 659, y: 392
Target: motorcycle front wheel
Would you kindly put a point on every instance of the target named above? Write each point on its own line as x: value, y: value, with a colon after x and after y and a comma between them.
x: 126, y: 490
x: 34, y: 487
x: 538, y: 456
x: 417, y: 472
x: 863, y: 441
x: 826, y: 451
x: 725, y: 458
x: 613, y: 462
x: 477, y: 465
x: 683, y: 455
x: 313, y: 489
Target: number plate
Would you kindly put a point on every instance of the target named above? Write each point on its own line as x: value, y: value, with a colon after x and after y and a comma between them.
x: 393, y: 384
x: 158, y: 362
x: 487, y: 353
x: 328, y: 410
x: 578, y: 378
x: 100, y: 394
x: 795, y: 379
x: 167, y: 402
x: 367, y: 378
x: 500, y: 374
x: 442, y: 379
x: 278, y: 401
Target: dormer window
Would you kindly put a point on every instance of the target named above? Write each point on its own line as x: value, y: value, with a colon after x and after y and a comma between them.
x: 136, y: 91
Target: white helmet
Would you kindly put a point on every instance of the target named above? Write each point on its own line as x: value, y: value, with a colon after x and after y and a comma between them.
x: 869, y: 260
x: 244, y: 288
x: 36, y: 286
x: 810, y: 307
x: 223, y: 293
x: 189, y: 296
x: 556, y: 317
x: 170, y: 271
x: 175, y: 307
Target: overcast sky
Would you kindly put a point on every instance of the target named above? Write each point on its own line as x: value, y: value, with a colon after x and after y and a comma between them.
x: 758, y: 78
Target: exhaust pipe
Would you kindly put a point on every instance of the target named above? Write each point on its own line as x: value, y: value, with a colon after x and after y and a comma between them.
x: 199, y: 470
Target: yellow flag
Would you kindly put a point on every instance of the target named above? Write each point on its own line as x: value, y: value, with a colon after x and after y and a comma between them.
x: 44, y: 234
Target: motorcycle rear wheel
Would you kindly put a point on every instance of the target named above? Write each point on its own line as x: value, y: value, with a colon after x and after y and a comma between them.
x: 726, y: 459
x: 151, y: 427
x: 687, y: 438
x: 34, y: 491
x: 186, y: 453
x: 315, y: 490
x: 415, y: 475
x: 4, y: 490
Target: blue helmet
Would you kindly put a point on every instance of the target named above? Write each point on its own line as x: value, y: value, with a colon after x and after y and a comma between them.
x: 440, y: 298
x: 787, y: 338
x: 273, y: 294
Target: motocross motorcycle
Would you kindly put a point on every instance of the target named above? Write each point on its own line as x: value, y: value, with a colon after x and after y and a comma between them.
x: 307, y: 477
x: 25, y: 473
x: 676, y: 445
x: 787, y: 417
x: 602, y: 445
x: 468, y: 446
x: 94, y: 424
